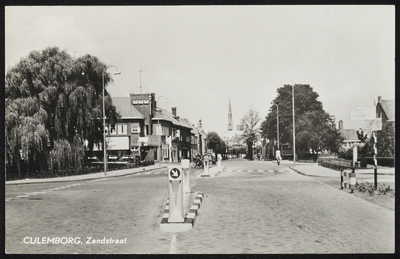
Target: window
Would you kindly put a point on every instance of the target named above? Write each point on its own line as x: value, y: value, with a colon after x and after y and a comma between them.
x: 135, y: 128
x: 165, y: 131
x: 157, y: 129
x: 187, y: 138
x: 160, y: 130
x: 122, y: 129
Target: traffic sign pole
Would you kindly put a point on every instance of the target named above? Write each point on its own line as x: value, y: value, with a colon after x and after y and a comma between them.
x: 175, y: 190
x: 375, y: 160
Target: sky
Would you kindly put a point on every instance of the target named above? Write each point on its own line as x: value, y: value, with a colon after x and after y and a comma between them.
x: 199, y: 57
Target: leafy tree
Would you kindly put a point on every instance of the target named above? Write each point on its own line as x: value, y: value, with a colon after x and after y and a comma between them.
x: 313, y: 126
x: 314, y: 132
x: 250, y: 130
x: 361, y: 136
x: 216, y: 143
x: 53, y: 102
x: 236, y: 151
x: 385, y: 142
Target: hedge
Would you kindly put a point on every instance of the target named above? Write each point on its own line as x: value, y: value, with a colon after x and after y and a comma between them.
x: 382, y: 161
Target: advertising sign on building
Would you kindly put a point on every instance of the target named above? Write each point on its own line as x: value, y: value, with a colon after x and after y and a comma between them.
x: 143, y: 140
x: 118, y: 143
x: 362, y: 113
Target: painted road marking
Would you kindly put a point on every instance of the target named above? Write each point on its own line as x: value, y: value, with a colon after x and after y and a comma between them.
x: 257, y: 171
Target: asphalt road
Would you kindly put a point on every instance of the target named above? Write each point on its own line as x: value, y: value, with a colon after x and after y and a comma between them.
x: 274, y: 210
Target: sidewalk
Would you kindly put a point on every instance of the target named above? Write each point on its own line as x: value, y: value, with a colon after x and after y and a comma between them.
x: 114, y: 173
x: 313, y: 169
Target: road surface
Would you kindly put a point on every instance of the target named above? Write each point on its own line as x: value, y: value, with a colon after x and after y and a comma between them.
x: 251, y: 207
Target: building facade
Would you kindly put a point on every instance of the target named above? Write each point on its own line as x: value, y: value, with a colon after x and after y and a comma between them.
x: 145, y: 132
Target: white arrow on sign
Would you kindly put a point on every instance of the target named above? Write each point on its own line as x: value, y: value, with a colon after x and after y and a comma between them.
x: 174, y: 173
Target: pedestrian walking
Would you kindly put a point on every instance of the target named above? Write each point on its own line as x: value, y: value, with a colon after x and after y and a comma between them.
x: 278, y: 156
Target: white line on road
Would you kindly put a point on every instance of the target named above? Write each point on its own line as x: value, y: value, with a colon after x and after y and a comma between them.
x: 172, y: 249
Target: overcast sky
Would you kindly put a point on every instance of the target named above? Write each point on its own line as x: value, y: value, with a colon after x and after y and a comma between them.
x: 199, y: 56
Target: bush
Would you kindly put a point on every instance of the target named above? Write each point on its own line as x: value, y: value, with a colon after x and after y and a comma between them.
x: 384, y: 189
x: 346, y: 154
x: 365, y: 187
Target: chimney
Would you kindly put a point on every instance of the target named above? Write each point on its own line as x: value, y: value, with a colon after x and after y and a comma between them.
x: 199, y: 125
x: 173, y: 111
x: 379, y: 99
x: 340, y: 125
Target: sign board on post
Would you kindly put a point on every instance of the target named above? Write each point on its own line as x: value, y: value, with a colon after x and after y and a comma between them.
x: 362, y: 113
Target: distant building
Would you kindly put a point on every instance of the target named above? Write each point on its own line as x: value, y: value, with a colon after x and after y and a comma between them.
x: 145, y: 132
x: 230, y: 122
x: 385, y: 109
x: 233, y: 135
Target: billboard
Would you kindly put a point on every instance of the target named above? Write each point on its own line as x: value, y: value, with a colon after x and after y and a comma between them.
x: 117, y: 143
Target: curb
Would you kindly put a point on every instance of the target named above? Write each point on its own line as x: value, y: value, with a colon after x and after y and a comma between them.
x: 187, y: 225
x: 75, y: 180
x: 323, y: 176
x: 297, y: 171
x: 212, y: 174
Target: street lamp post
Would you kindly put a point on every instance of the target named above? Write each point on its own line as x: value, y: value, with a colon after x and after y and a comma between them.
x: 277, y: 123
x: 104, y: 119
x: 294, y: 130
x: 158, y: 117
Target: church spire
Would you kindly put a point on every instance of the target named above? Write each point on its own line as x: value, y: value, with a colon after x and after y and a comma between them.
x: 230, y: 123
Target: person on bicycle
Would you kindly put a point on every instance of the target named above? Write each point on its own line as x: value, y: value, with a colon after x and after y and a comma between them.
x: 278, y: 156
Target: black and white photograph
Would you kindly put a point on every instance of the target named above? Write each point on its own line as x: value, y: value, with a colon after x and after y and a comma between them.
x: 199, y: 129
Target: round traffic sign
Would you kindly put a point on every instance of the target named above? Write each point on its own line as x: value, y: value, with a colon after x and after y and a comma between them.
x: 175, y: 173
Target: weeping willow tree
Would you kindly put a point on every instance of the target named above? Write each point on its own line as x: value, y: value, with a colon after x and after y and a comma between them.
x: 53, y: 103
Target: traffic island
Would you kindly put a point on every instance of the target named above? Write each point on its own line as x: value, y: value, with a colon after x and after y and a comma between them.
x: 190, y: 213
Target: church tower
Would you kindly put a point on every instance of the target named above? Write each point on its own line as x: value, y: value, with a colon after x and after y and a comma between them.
x: 230, y: 122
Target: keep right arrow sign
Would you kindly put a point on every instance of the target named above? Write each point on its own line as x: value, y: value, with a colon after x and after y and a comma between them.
x: 175, y: 173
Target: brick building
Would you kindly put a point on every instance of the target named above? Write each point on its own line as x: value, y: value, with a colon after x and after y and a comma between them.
x: 146, y: 132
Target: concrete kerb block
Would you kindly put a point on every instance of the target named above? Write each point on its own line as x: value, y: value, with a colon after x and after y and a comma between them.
x: 214, y: 171
x: 187, y: 225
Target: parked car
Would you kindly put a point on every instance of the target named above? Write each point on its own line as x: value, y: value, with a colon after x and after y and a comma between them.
x: 128, y: 159
x: 112, y: 158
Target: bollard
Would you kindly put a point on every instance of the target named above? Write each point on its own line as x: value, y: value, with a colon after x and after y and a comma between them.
x: 206, y: 165
x: 351, y: 184
x: 175, y: 190
x: 186, y: 175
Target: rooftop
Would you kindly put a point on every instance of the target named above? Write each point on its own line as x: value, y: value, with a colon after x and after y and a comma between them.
x: 349, y: 134
x: 388, y: 108
x: 163, y: 114
x: 125, y: 109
